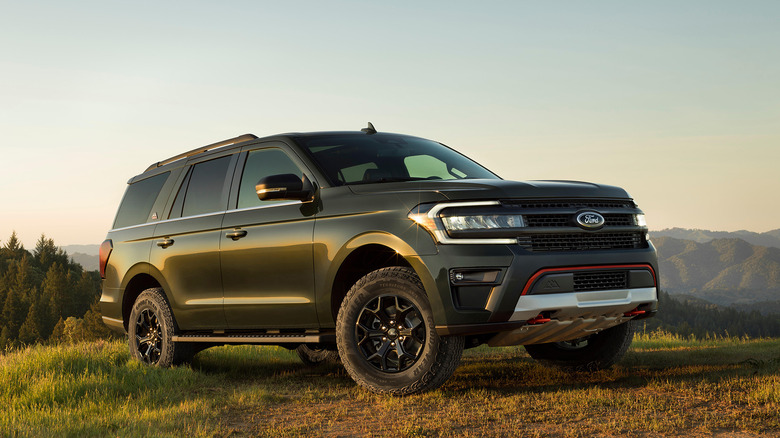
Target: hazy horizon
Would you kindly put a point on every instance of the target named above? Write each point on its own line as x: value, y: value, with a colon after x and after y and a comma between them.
x: 678, y: 103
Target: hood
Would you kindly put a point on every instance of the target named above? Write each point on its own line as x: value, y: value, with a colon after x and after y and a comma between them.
x: 468, y: 189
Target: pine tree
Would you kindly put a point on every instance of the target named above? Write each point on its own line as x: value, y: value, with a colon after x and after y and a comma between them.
x: 55, y: 288
x: 28, y: 332
x: 86, y: 291
x: 45, y: 252
x: 58, y: 334
x: 6, y: 341
x: 14, y: 246
x: 14, y: 314
x: 93, y: 324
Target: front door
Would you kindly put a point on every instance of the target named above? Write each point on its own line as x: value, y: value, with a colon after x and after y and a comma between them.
x: 266, y: 250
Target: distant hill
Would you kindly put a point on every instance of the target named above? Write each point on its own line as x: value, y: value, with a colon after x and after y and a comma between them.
x: 87, y: 261
x: 723, y: 271
x: 84, y: 249
x: 85, y: 255
x: 770, y: 238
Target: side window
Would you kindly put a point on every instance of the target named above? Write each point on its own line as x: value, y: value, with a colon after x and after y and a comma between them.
x: 203, y: 190
x: 138, y: 201
x: 259, y: 164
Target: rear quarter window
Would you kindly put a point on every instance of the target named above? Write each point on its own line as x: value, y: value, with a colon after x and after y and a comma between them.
x: 138, y: 201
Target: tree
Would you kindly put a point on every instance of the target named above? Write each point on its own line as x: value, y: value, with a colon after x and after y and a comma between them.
x: 93, y: 324
x: 14, y: 246
x: 28, y: 332
x: 14, y: 313
x: 55, y: 287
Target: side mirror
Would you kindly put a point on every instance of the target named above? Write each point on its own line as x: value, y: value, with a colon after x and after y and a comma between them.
x: 284, y: 186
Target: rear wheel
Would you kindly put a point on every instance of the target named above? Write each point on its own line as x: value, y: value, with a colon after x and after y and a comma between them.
x: 151, y: 329
x: 386, y: 335
x: 592, y: 353
x: 313, y: 355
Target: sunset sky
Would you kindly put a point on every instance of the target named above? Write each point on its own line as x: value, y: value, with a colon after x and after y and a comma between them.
x: 677, y: 102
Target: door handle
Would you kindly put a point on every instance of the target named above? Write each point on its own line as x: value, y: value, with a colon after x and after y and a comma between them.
x: 236, y: 234
x: 165, y: 243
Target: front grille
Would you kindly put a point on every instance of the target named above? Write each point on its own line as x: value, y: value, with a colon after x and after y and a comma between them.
x: 566, y: 220
x: 582, y: 241
x: 547, y: 220
x: 587, y: 281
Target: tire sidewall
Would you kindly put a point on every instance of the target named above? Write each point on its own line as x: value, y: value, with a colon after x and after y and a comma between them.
x: 349, y: 351
x: 151, y: 299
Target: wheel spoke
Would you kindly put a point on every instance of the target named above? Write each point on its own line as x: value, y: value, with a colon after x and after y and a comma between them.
x: 390, y: 333
x: 147, y: 336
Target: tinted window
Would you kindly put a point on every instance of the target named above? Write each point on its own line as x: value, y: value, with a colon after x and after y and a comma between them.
x: 138, y: 201
x: 360, y: 158
x: 205, y: 191
x: 259, y: 164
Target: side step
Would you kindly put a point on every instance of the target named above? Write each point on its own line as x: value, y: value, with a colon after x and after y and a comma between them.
x: 258, y: 338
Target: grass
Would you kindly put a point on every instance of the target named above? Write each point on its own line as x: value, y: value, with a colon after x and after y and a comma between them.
x: 665, y: 386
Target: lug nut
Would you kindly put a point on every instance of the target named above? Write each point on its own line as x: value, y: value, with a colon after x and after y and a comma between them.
x: 392, y: 344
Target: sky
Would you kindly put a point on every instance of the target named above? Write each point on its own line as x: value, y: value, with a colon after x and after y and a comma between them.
x: 677, y: 102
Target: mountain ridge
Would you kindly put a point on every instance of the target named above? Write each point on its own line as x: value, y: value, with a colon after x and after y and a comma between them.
x: 770, y: 238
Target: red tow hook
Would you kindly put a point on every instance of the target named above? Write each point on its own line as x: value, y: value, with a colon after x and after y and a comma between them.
x: 539, y: 319
x: 635, y: 312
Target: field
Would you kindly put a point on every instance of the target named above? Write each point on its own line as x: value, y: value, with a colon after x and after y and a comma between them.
x: 665, y: 386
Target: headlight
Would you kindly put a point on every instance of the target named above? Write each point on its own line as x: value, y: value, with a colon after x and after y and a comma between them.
x: 482, y: 222
x: 640, y: 220
x: 478, y: 222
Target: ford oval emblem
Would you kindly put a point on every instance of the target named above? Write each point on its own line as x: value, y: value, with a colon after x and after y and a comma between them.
x: 590, y: 220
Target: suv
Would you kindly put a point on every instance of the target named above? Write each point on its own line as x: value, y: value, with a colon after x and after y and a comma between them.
x: 388, y: 252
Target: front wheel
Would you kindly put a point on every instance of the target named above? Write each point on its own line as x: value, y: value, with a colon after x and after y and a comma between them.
x: 592, y: 353
x: 386, y: 335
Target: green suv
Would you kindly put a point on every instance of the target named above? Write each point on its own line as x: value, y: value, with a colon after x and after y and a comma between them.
x: 388, y: 252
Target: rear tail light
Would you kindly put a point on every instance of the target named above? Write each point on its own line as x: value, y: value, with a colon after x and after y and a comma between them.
x: 105, y: 252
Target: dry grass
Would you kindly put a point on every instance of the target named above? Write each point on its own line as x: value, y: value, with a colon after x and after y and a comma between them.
x: 665, y: 386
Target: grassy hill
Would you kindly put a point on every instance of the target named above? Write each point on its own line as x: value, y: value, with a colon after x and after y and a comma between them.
x: 665, y: 386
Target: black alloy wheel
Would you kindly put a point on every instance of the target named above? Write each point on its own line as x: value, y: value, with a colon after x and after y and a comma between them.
x: 150, y: 331
x: 148, y: 336
x: 390, y: 333
x: 386, y: 335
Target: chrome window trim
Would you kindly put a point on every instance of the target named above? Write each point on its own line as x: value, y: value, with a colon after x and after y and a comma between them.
x: 259, y: 207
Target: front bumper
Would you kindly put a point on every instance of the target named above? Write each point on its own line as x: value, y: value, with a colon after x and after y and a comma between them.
x: 516, y: 298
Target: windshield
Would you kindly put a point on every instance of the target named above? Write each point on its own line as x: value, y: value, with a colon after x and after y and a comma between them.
x: 363, y: 159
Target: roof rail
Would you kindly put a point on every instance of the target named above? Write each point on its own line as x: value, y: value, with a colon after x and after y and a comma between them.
x: 239, y: 139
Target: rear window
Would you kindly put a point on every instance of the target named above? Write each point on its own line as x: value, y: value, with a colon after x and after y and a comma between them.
x: 138, y: 201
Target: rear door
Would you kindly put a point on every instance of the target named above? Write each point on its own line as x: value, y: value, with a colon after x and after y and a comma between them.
x: 186, y: 246
x: 266, y: 247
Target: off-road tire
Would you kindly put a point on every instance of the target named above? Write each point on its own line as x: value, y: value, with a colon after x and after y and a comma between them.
x: 596, y: 352
x: 313, y: 355
x: 430, y: 359
x: 150, y: 331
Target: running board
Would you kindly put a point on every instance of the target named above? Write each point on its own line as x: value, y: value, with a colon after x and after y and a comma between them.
x: 269, y: 338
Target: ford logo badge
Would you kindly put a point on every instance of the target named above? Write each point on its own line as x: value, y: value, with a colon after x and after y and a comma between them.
x: 590, y: 220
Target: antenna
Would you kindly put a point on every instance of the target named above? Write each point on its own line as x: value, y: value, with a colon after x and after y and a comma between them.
x: 370, y: 130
